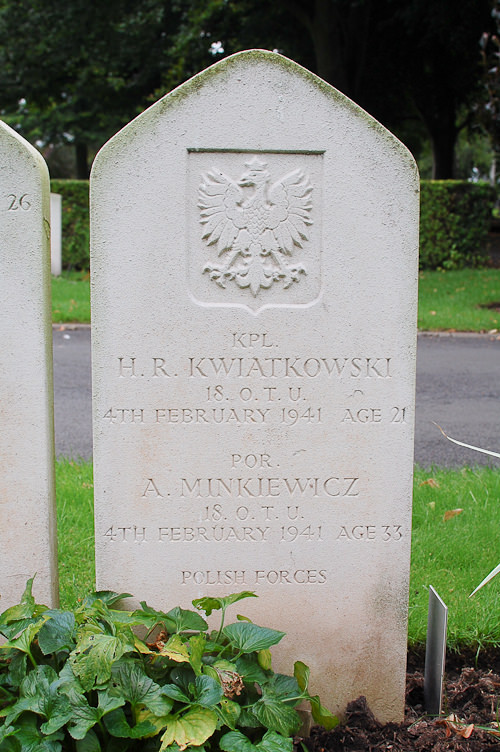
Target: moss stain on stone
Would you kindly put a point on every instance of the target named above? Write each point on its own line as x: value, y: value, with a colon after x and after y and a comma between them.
x: 195, y: 85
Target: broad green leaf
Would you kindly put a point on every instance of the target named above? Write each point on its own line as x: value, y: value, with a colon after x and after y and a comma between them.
x: 192, y: 729
x: 45, y: 675
x: 173, y: 691
x: 185, y: 620
x: 197, y: 644
x: 106, y: 596
x: 176, y: 650
x: 208, y: 691
x: 229, y: 712
x: 224, y: 665
x: 95, y: 654
x: 250, y: 637
x: 6, y: 731
x: 209, y: 604
x: 149, y: 617
x: 275, y: 715
x: 301, y: 673
x: 183, y: 676
x: 264, y: 659
x: 273, y: 742
x: 282, y: 686
x: 248, y: 720
x: 108, y: 702
x: 99, y: 617
x: 210, y: 671
x: 23, y: 610
x: 17, y: 668
x: 122, y: 617
x: 248, y: 667
x: 58, y: 711
x: 67, y: 680
x: 138, y: 689
x: 39, y: 695
x: 117, y: 725
x: 90, y: 743
x: 23, y: 642
x: 84, y: 716
x: 321, y: 715
x: 141, y: 647
x: 235, y: 741
x: 15, y: 628
x: 32, y: 740
x: 58, y: 632
x: 158, y: 722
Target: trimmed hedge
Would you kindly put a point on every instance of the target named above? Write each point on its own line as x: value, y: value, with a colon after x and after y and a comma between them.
x: 455, y: 217
x: 454, y: 220
x: 75, y: 222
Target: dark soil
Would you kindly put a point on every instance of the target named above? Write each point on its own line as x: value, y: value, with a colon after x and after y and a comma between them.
x: 471, y: 699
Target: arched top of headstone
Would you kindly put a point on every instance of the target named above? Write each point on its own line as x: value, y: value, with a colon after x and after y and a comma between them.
x: 274, y: 72
x: 16, y: 147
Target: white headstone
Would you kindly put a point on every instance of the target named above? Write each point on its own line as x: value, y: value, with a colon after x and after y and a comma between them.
x: 254, y: 262
x: 27, y: 497
x: 55, y: 234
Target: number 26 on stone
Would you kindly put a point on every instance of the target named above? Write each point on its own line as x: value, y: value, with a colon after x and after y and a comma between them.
x: 18, y: 202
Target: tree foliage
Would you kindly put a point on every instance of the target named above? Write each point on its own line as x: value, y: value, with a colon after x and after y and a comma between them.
x: 76, y: 72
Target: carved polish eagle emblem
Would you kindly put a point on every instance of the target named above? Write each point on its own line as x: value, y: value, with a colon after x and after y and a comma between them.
x: 254, y: 225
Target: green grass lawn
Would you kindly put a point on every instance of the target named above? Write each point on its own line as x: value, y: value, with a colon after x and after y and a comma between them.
x: 453, y: 554
x: 71, y: 298
x: 75, y: 526
x: 453, y: 300
x: 447, y: 300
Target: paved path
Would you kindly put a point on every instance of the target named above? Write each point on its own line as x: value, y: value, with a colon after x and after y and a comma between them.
x: 458, y: 386
x: 72, y: 393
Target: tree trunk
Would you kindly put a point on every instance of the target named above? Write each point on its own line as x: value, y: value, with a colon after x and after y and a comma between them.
x: 82, y: 161
x: 340, y: 38
x: 443, y: 153
x: 439, y: 116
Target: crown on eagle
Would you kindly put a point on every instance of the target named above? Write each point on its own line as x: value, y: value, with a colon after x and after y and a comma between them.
x: 256, y: 164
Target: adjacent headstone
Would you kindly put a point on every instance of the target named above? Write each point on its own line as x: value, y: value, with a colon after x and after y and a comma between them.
x: 435, y: 652
x: 27, y: 497
x: 56, y: 234
x: 254, y: 264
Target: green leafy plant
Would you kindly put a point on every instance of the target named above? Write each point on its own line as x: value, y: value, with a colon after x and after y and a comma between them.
x: 75, y: 222
x: 84, y: 680
x: 455, y: 216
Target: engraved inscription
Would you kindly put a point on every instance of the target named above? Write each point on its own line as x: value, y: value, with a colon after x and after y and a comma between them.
x: 290, y: 367
x: 287, y: 534
x: 334, y: 486
x: 255, y: 225
x: 15, y: 202
x: 255, y: 577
